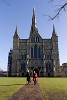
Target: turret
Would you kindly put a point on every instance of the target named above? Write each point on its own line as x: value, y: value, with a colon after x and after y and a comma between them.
x: 9, y: 62
x: 55, y: 52
x: 16, y: 39
x: 54, y: 39
x: 54, y: 35
x: 16, y: 33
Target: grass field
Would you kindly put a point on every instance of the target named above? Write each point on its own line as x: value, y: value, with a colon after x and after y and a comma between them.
x: 53, y: 88
x: 8, y: 86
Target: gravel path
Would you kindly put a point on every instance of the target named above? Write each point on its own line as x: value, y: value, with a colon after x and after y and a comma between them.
x: 28, y: 92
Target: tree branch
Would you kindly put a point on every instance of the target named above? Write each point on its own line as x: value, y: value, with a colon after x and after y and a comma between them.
x: 59, y: 10
x: 62, y: 7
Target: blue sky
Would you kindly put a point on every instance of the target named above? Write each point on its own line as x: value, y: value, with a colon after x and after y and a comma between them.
x: 19, y: 12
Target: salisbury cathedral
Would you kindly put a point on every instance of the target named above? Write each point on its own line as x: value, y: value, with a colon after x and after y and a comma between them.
x: 34, y: 53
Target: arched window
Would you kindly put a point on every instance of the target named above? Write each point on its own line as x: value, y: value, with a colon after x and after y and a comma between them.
x: 33, y: 39
x: 35, y: 51
x: 39, y: 55
x: 31, y: 52
x: 37, y: 39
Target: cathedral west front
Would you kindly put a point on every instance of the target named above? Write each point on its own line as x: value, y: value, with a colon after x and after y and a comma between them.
x: 34, y: 53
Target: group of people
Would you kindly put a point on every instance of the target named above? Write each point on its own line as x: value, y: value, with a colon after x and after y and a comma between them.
x: 28, y: 75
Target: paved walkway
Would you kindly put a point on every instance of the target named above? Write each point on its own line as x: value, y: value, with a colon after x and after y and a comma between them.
x: 28, y: 92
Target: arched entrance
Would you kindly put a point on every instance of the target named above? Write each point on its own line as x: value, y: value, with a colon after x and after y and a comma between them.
x: 37, y: 71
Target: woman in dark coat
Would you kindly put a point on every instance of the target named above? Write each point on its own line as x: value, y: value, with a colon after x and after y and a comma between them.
x: 28, y: 76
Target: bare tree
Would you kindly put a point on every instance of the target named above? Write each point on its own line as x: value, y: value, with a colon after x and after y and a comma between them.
x: 59, y: 9
x: 62, y: 7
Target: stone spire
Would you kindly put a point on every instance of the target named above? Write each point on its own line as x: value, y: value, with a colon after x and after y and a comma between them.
x: 53, y: 29
x: 34, y: 19
x: 54, y: 35
x: 33, y: 26
x: 16, y: 30
x: 54, y: 32
x: 34, y: 11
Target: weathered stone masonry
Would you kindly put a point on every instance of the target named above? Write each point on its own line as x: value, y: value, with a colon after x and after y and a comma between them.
x: 34, y: 53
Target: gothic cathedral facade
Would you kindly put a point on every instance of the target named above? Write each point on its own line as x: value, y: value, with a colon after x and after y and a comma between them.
x: 34, y: 53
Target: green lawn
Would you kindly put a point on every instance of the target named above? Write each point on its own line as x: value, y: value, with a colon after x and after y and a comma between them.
x: 8, y: 86
x: 53, y: 88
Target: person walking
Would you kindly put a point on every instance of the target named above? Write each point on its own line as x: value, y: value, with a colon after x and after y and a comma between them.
x: 35, y: 77
x: 28, y: 76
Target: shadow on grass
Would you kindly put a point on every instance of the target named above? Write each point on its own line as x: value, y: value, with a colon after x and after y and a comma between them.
x: 12, y: 84
x: 26, y: 84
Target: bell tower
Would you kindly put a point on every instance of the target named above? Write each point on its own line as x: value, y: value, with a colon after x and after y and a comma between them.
x: 15, y: 55
x: 55, y: 53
